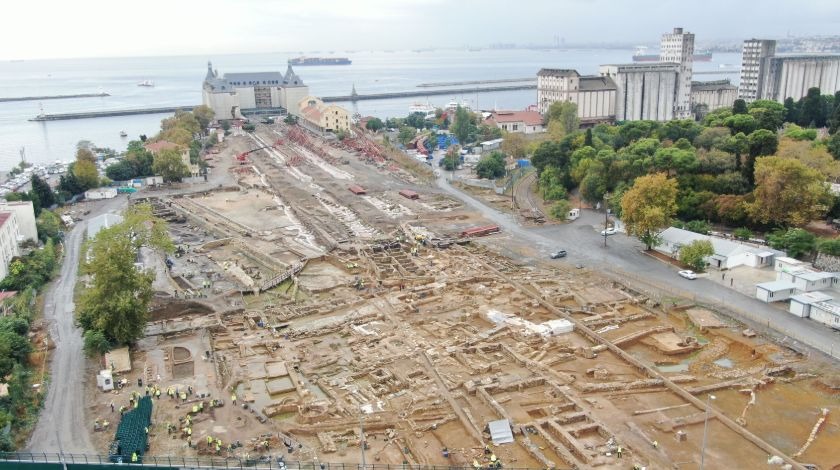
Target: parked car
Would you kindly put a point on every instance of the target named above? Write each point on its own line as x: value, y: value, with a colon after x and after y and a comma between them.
x: 558, y: 254
x: 688, y: 274
x: 609, y: 231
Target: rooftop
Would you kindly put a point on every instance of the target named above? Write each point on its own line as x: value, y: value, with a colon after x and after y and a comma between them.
x: 810, y: 298
x: 814, y: 275
x: 596, y: 83
x: 531, y: 118
x: 724, y: 248
x: 713, y: 85
x: 156, y: 147
x: 558, y: 73
x: 776, y: 286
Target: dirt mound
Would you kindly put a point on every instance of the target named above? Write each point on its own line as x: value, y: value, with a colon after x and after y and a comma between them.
x: 166, y: 309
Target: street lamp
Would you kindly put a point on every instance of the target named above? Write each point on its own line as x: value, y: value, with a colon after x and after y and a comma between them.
x: 705, y: 430
x: 606, y: 216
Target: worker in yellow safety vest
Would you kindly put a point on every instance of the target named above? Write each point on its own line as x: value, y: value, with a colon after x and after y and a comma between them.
x: 134, y: 457
x: 476, y: 464
x: 233, y: 398
x: 492, y: 457
x: 209, y: 440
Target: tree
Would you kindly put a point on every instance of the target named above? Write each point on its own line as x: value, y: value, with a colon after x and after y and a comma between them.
x: 768, y: 114
x: 48, y: 225
x: 739, y: 107
x: 461, y: 124
x: 374, y: 124
x: 680, y: 129
x: 406, y: 134
x: 492, y: 166
x: 552, y: 153
x: 551, y: 184
x: 95, y: 343
x: 791, y: 110
x: 587, y: 140
x: 560, y: 209
x: 833, y: 145
x: 787, y: 193
x: 649, y: 206
x: 745, y: 123
x: 118, y: 301
x: 812, y: 112
x: 204, y: 115
x: 86, y: 175
x: 711, y: 137
x: 795, y: 241
x: 834, y: 117
x: 514, y: 144
x: 829, y: 246
x: 593, y: 187
x: 42, y: 190
x: 169, y: 165
x: 565, y: 113
x: 737, y: 145
x: 761, y: 143
x: 695, y: 253
x: 84, y: 154
x: 120, y: 171
x: 797, y: 133
x: 14, y: 348
x: 742, y: 233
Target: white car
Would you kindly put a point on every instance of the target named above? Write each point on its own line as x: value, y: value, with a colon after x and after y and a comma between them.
x: 688, y: 274
x: 609, y: 231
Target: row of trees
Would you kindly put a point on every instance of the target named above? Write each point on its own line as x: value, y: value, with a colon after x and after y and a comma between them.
x: 18, y: 409
x: 113, y: 311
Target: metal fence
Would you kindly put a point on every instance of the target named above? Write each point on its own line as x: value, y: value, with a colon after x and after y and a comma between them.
x: 264, y: 463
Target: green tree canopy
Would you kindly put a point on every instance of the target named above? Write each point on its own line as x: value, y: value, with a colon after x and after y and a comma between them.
x: 374, y: 124
x: 169, y: 165
x: 649, y: 206
x: 86, y: 175
x: 695, y: 253
x: 787, y: 193
x: 795, y: 241
x: 492, y: 166
x: 565, y: 113
x: 462, y: 124
x: 117, y: 303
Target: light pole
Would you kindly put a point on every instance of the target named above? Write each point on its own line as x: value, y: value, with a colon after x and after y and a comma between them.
x: 705, y: 430
x: 606, y: 216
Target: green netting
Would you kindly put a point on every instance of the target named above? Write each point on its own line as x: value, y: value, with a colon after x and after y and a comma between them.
x: 131, y: 434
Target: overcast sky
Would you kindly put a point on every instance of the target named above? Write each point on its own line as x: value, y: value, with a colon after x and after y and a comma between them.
x: 96, y: 28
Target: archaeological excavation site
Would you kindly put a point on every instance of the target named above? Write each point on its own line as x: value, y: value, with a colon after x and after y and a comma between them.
x: 328, y: 306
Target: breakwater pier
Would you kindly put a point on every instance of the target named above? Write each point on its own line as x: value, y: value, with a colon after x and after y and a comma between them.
x: 327, y: 99
x: 53, y: 97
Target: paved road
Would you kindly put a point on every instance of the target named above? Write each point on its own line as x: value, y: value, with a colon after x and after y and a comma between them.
x: 62, y: 424
x: 623, y: 257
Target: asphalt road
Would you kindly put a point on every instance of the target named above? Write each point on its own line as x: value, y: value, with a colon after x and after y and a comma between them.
x: 623, y: 257
x: 62, y: 425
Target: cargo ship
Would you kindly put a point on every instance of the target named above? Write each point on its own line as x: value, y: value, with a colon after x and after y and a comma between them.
x: 640, y: 56
x: 320, y: 61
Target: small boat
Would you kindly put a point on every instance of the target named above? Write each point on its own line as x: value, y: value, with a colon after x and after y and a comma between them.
x: 147, y: 83
x: 123, y: 134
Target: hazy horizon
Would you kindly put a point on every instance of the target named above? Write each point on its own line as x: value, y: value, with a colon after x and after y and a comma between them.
x: 96, y: 29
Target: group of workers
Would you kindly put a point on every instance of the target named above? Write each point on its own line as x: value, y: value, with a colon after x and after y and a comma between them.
x: 494, y: 462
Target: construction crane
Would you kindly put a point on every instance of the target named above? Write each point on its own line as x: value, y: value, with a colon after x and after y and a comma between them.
x: 242, y: 158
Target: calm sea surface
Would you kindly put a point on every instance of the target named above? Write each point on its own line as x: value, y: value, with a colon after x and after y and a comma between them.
x: 178, y: 83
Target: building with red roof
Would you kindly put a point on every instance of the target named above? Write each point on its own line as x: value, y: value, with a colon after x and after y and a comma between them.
x: 523, y: 122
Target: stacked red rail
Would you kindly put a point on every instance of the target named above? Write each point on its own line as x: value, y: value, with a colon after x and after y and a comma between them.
x: 480, y: 231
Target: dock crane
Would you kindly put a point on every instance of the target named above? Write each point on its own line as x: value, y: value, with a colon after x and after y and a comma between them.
x: 242, y: 158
